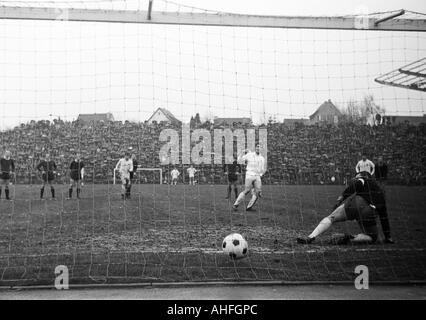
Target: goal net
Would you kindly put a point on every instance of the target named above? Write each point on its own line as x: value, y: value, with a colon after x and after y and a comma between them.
x: 187, y: 90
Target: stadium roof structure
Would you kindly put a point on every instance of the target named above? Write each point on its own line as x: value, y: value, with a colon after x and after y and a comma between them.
x: 412, y: 76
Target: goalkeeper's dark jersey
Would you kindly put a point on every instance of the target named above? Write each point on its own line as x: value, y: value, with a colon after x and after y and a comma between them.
x: 6, y: 167
x: 373, y: 194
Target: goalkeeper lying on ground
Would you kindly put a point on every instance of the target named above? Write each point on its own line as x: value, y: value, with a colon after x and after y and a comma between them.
x: 362, y: 201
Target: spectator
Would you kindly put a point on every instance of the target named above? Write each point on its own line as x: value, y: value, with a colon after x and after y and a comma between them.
x: 300, y: 154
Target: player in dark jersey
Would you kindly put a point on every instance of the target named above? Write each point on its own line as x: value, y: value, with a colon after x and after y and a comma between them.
x: 232, y: 171
x: 132, y: 176
x: 76, y: 175
x: 47, y: 167
x: 362, y: 201
x: 7, y: 169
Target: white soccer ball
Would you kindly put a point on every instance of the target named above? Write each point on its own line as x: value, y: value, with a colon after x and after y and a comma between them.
x: 235, y: 246
x: 333, y: 179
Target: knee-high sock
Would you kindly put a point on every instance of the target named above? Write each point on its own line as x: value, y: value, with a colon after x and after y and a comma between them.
x: 236, y: 192
x: 6, y: 191
x: 70, y: 193
x: 321, y: 228
x: 229, y: 191
x: 52, y: 190
x: 240, y: 198
x: 1, y: 188
x: 78, y: 192
x: 41, y: 192
x: 252, y: 200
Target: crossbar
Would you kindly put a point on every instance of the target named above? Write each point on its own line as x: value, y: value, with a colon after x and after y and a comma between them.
x: 209, y: 19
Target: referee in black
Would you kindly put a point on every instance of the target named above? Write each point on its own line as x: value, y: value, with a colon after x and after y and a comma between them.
x: 232, y: 171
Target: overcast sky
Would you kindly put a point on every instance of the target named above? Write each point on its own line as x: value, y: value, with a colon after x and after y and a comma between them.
x: 65, y: 68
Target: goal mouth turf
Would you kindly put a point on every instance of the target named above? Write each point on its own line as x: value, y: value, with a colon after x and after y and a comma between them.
x: 145, y: 240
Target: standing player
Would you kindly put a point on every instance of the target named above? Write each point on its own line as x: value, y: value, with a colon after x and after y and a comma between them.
x: 132, y: 174
x: 47, y: 167
x: 381, y: 172
x: 76, y: 175
x: 254, y: 172
x: 359, y: 201
x: 232, y: 171
x: 175, y: 174
x: 365, y: 165
x: 191, y: 173
x: 7, y: 169
x: 125, y: 167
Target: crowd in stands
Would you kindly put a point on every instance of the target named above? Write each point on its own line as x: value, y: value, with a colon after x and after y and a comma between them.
x: 299, y: 154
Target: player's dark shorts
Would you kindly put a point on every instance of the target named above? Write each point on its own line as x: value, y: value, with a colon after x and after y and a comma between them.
x: 356, y: 208
x: 232, y: 178
x: 75, y: 177
x: 47, y: 177
x: 5, y: 176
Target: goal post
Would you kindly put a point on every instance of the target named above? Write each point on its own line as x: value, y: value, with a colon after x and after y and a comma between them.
x: 159, y: 170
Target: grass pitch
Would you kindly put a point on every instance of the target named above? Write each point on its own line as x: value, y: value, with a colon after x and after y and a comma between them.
x: 174, y: 234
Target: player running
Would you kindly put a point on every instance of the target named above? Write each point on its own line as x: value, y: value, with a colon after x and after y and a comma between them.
x: 175, y: 174
x: 254, y: 171
x: 76, y: 175
x: 191, y: 173
x: 232, y: 171
x: 360, y: 201
x: 125, y: 167
x: 47, y: 167
x: 7, y: 169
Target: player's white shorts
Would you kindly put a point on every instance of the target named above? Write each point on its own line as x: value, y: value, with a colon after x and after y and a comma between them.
x: 253, y: 181
x: 125, y: 178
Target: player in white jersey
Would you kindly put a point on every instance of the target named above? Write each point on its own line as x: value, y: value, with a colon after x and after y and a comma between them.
x: 175, y: 174
x: 124, y: 167
x: 255, y: 169
x: 365, y: 165
x: 191, y: 172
